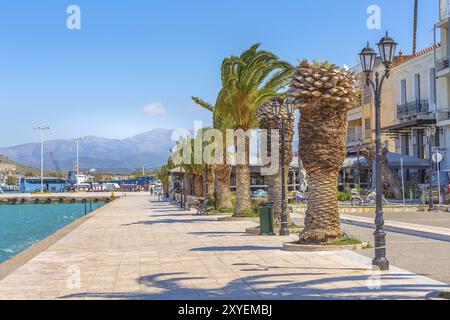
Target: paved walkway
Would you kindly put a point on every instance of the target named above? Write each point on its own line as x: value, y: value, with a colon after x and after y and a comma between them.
x: 139, y: 249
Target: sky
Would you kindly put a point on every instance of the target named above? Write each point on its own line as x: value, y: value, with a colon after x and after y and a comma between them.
x: 134, y: 64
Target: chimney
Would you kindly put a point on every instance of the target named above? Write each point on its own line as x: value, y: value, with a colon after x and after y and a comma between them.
x: 400, y: 57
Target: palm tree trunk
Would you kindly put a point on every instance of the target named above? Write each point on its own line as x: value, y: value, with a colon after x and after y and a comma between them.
x: 222, y: 173
x: 198, y: 185
x: 323, y: 150
x: 186, y: 188
x: 210, y: 183
x: 322, y: 222
x: 243, y: 196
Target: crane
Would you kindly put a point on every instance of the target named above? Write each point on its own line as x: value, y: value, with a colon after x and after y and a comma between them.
x: 56, y: 164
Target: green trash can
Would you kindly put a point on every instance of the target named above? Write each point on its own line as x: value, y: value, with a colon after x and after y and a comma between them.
x: 266, y: 219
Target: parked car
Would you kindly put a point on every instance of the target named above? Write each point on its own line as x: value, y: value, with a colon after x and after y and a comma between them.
x: 298, y: 196
x: 259, y: 194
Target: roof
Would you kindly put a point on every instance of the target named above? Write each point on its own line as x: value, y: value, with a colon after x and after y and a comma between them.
x: 403, y: 59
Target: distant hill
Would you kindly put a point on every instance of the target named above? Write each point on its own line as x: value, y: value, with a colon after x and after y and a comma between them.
x: 7, y: 165
x: 149, y: 149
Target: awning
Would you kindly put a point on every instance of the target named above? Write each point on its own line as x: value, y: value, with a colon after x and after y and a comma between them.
x: 394, y: 160
x: 407, y: 126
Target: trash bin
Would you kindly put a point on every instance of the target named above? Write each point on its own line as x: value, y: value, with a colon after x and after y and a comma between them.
x: 266, y: 219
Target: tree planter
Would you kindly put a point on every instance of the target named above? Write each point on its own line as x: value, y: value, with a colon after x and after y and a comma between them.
x: 228, y: 219
x: 437, y: 295
x: 293, y: 246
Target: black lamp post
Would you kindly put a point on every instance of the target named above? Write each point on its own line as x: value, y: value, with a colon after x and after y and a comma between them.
x: 282, y: 123
x: 181, y: 187
x: 431, y: 132
x: 368, y: 56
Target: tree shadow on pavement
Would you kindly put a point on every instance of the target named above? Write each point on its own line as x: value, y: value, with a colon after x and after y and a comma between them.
x: 257, y: 287
x: 236, y: 248
x: 167, y: 221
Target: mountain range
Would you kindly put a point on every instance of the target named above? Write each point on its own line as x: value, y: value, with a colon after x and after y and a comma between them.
x: 149, y: 149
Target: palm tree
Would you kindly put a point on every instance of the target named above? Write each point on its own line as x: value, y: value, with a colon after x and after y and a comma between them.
x: 248, y: 82
x: 323, y: 92
x: 269, y: 121
x: 191, y: 170
x: 163, y: 176
x: 222, y: 172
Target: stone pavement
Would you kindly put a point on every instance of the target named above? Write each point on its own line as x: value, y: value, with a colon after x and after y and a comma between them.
x: 138, y: 249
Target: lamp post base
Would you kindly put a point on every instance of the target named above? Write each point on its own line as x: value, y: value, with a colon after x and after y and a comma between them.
x: 284, y: 232
x: 381, y: 263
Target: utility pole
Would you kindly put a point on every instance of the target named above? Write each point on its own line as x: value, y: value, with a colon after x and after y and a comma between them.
x: 42, y: 130
x: 416, y: 13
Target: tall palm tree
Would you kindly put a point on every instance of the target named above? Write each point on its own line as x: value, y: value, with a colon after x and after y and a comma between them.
x: 222, y: 172
x: 248, y: 82
x: 323, y: 92
x: 269, y: 121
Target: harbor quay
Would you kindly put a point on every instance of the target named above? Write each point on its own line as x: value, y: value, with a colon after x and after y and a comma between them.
x: 140, y: 248
x: 61, y: 198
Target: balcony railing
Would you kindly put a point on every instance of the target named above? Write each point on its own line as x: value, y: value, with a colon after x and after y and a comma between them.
x: 368, y: 134
x: 418, y: 107
x: 444, y: 9
x: 443, y: 115
x: 354, y: 138
x: 442, y: 64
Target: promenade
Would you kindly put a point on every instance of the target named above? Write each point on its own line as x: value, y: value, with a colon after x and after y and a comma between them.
x: 138, y: 248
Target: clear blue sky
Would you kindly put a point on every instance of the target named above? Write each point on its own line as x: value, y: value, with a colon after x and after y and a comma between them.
x: 133, y: 59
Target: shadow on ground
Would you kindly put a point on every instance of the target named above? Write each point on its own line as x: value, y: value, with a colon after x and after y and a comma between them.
x: 168, y: 221
x: 169, y: 287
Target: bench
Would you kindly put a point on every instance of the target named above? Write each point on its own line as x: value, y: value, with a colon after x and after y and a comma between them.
x: 191, y: 201
x: 202, y: 207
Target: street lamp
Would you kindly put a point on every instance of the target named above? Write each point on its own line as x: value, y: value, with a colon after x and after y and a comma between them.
x: 283, y: 112
x: 431, y: 132
x: 368, y: 56
x: 77, y: 140
x: 42, y: 129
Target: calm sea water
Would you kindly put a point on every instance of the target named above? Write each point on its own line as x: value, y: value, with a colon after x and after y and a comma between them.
x: 22, y: 226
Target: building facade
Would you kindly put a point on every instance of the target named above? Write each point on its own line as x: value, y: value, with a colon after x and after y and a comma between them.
x: 443, y: 82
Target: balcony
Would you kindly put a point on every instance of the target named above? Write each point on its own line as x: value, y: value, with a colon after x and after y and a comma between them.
x: 444, y: 9
x: 416, y: 109
x: 443, y: 117
x: 354, y: 136
x: 443, y: 67
x: 442, y: 64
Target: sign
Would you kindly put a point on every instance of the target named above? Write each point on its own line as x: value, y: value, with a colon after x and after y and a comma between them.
x: 437, y: 157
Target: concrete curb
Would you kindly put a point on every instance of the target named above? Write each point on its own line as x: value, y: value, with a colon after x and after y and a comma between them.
x: 289, y: 246
x: 436, y: 296
x: 398, y: 229
x: 228, y: 219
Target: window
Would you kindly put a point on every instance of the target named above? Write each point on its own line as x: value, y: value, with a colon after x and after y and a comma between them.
x: 420, y: 145
x: 405, y: 144
x: 417, y: 86
x: 403, y: 98
x: 433, y: 98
